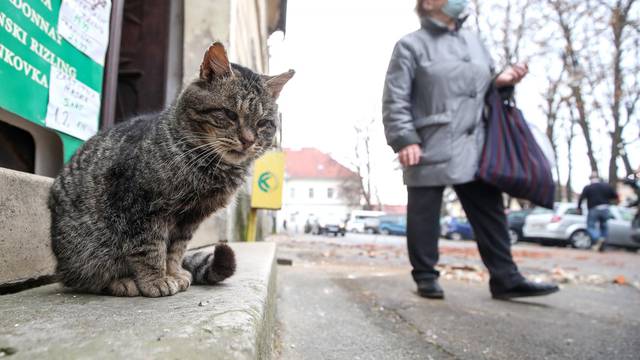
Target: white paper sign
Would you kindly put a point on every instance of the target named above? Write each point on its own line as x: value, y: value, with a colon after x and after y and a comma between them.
x: 73, y: 107
x: 85, y: 24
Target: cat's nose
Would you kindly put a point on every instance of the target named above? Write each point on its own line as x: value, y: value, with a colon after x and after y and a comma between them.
x: 247, y: 138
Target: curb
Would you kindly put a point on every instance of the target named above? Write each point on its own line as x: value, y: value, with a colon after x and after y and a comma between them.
x: 233, y: 320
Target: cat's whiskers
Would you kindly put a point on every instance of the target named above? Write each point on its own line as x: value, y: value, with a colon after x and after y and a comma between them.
x: 214, y: 149
x: 211, y: 149
x: 230, y: 143
x: 201, y: 158
x: 184, y: 155
x: 171, y: 161
x: 192, y: 138
x: 206, y: 152
x: 215, y: 168
x: 185, y: 165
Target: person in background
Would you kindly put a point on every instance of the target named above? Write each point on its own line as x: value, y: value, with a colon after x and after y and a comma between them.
x: 598, y: 195
x: 432, y: 113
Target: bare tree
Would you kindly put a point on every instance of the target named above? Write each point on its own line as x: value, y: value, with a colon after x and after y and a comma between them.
x: 506, y: 28
x: 621, y: 32
x: 551, y: 108
x: 569, y: 135
x: 350, y: 190
x: 598, y: 36
x: 362, y: 163
x: 568, y: 15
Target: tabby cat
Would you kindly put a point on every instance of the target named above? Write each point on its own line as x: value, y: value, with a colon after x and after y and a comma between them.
x: 127, y: 203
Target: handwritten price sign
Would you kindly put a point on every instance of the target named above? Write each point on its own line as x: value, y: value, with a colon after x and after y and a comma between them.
x: 73, y: 107
x: 85, y: 24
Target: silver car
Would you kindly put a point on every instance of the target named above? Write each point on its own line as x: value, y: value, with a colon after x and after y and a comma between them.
x: 564, y: 225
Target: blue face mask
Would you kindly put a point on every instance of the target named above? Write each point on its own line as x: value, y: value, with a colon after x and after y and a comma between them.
x: 454, y: 8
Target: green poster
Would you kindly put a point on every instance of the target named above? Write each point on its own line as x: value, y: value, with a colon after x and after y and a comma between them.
x: 30, y: 46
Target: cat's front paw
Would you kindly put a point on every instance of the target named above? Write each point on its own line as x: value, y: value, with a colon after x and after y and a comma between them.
x: 123, y: 287
x: 164, y: 286
x: 183, y: 278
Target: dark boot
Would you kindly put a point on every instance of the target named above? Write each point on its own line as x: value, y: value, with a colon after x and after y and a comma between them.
x: 525, y: 289
x: 430, y: 289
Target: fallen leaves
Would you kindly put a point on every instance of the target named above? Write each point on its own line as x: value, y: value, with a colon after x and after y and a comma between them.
x: 463, y: 272
x: 620, y: 280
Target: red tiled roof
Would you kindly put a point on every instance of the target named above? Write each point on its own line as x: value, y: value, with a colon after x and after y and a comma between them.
x: 395, y: 209
x: 311, y: 163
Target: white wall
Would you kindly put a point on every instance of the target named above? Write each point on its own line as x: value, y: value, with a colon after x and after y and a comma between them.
x: 241, y: 25
x: 298, y: 205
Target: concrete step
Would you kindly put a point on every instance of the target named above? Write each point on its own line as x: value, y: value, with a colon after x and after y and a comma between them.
x: 233, y: 320
x: 25, y: 247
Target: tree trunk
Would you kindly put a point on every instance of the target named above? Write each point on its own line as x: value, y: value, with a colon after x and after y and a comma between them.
x: 584, y: 126
x: 617, y: 24
x: 627, y: 163
x: 575, y: 81
x: 569, y: 188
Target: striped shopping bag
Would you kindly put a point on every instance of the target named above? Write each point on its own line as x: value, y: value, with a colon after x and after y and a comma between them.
x: 511, y: 159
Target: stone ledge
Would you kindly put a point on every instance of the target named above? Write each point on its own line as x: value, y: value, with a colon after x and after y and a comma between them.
x: 233, y: 320
x: 25, y: 247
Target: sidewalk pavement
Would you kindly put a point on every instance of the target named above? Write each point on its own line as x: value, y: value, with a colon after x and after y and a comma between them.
x: 340, y: 300
x: 233, y: 320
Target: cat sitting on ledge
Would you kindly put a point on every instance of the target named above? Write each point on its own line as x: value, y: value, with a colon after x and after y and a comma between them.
x: 127, y: 203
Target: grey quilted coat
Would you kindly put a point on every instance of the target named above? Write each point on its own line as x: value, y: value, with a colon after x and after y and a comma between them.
x: 434, y: 96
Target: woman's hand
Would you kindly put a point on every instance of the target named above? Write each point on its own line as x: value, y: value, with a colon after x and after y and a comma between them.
x: 512, y: 75
x: 410, y: 155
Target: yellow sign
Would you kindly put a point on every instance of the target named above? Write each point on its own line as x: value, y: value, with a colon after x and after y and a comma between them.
x: 268, y: 176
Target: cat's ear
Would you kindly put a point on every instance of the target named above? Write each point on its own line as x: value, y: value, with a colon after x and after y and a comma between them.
x: 274, y: 84
x: 215, y: 63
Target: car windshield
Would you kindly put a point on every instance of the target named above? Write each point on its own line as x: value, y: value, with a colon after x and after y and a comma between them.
x: 572, y: 211
x: 541, y: 210
x: 365, y: 218
x: 391, y: 219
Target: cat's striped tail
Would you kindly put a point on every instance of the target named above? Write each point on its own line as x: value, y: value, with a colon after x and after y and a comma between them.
x: 210, y: 268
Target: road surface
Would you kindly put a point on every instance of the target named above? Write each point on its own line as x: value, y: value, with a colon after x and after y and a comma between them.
x: 353, y: 298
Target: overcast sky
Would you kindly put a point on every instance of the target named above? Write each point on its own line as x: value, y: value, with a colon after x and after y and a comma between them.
x: 340, y: 51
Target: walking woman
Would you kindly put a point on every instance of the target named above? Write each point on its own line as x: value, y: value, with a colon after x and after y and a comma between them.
x: 432, y: 111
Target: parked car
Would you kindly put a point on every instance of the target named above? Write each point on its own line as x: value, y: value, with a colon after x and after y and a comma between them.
x: 393, y: 225
x: 565, y: 225
x: 456, y: 228
x: 361, y: 221
x: 328, y: 225
x: 634, y: 183
x: 515, y: 220
x: 635, y: 231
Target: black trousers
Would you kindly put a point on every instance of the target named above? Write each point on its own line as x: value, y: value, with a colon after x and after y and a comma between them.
x: 484, y: 207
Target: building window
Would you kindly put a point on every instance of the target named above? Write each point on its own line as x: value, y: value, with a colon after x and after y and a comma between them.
x: 292, y: 193
x: 310, y: 193
x: 330, y: 193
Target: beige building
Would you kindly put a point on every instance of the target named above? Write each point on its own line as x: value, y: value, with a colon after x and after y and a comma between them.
x: 155, y: 47
x: 244, y: 27
x: 314, y: 188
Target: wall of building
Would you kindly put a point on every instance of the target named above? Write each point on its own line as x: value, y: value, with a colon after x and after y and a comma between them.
x: 298, y: 205
x: 205, y: 21
x: 248, y: 37
x: 241, y: 25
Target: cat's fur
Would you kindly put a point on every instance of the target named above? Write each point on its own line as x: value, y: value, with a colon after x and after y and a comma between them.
x: 125, y: 206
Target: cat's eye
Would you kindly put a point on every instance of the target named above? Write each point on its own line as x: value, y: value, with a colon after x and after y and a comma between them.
x: 231, y: 114
x: 264, y: 122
